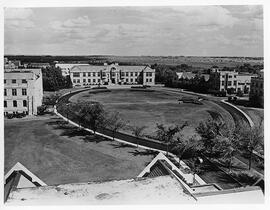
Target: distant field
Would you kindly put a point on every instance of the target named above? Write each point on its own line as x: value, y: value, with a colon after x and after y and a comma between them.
x: 195, y: 61
x: 150, y: 108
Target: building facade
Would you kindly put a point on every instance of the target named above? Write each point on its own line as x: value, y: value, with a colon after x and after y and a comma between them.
x: 225, y: 80
x: 256, y: 95
x: 23, y: 91
x: 85, y: 75
x: 65, y: 67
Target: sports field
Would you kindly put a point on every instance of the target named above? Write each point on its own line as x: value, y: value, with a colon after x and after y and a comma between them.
x: 149, y: 108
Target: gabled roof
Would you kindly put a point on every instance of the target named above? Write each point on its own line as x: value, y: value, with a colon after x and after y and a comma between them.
x: 20, y: 177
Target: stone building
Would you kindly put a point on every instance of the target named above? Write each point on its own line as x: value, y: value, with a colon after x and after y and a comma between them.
x: 256, y: 94
x: 111, y: 74
x: 23, y: 91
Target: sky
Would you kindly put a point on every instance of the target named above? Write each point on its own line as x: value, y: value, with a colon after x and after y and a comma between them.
x: 155, y: 31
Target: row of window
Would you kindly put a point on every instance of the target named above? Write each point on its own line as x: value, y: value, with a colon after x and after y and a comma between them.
x: 230, y: 76
x: 148, y: 79
x: 15, y: 104
x: 98, y: 80
x: 14, y: 92
x: 14, y: 81
x: 94, y: 74
x: 257, y: 85
x: 256, y: 92
x: 229, y: 83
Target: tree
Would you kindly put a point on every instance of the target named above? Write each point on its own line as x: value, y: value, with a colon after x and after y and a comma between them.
x: 137, y: 131
x: 251, y: 139
x: 209, y: 131
x: 51, y: 99
x: 185, y: 149
x: 114, y: 123
x: 53, y: 79
x: 94, y: 115
x: 167, y: 134
x: 226, y: 149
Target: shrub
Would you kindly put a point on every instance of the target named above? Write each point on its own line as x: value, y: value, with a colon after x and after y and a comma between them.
x: 41, y: 109
x: 246, y: 177
x: 94, y: 88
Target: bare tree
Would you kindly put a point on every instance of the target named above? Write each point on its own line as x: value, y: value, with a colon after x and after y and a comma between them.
x: 114, y: 123
x: 137, y: 131
x: 167, y: 134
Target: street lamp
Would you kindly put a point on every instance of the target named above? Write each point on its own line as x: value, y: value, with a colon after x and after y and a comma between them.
x: 197, y: 162
x: 67, y: 111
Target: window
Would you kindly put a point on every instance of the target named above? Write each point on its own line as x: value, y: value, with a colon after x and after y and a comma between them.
x: 222, y: 83
x: 230, y: 76
x: 234, y: 76
x: 223, y: 76
x: 126, y: 74
x: 84, y: 74
x: 89, y: 80
x: 5, y: 92
x: 24, y: 93
x: 94, y: 80
x: 24, y: 103
x: 104, y: 74
x: 126, y: 80
x: 76, y: 74
x: 136, y: 74
x: 123, y: 74
x: 14, y: 103
x: 229, y: 83
x: 98, y: 80
x: 113, y: 74
x: 74, y: 80
x: 94, y: 74
x: 5, y: 81
x: 148, y: 74
x: 131, y: 74
x: 5, y: 103
x: 89, y: 74
x: 13, y: 81
x: 98, y: 74
x: 150, y: 79
x: 14, y: 92
x: 78, y: 80
x: 131, y: 80
x: 24, y: 81
x: 84, y: 80
x: 146, y: 79
x: 234, y: 82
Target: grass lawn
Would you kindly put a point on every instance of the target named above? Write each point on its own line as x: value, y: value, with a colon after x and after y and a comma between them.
x: 150, y: 108
x: 59, y: 153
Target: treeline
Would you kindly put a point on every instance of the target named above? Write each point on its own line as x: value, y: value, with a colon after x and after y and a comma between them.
x: 53, y: 79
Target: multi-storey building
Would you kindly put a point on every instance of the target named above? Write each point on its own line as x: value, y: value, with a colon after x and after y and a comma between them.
x: 224, y: 80
x: 65, y: 67
x: 256, y: 94
x: 111, y: 74
x: 23, y: 91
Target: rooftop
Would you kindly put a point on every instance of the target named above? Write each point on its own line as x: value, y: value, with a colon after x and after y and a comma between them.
x: 158, y: 190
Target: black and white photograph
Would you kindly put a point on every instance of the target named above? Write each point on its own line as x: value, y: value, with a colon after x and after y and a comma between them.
x: 133, y: 104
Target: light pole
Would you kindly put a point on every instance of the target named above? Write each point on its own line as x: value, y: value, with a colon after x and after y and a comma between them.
x: 197, y: 162
x: 67, y: 111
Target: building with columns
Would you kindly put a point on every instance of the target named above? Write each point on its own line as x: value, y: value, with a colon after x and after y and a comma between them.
x: 111, y: 74
x: 23, y: 91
